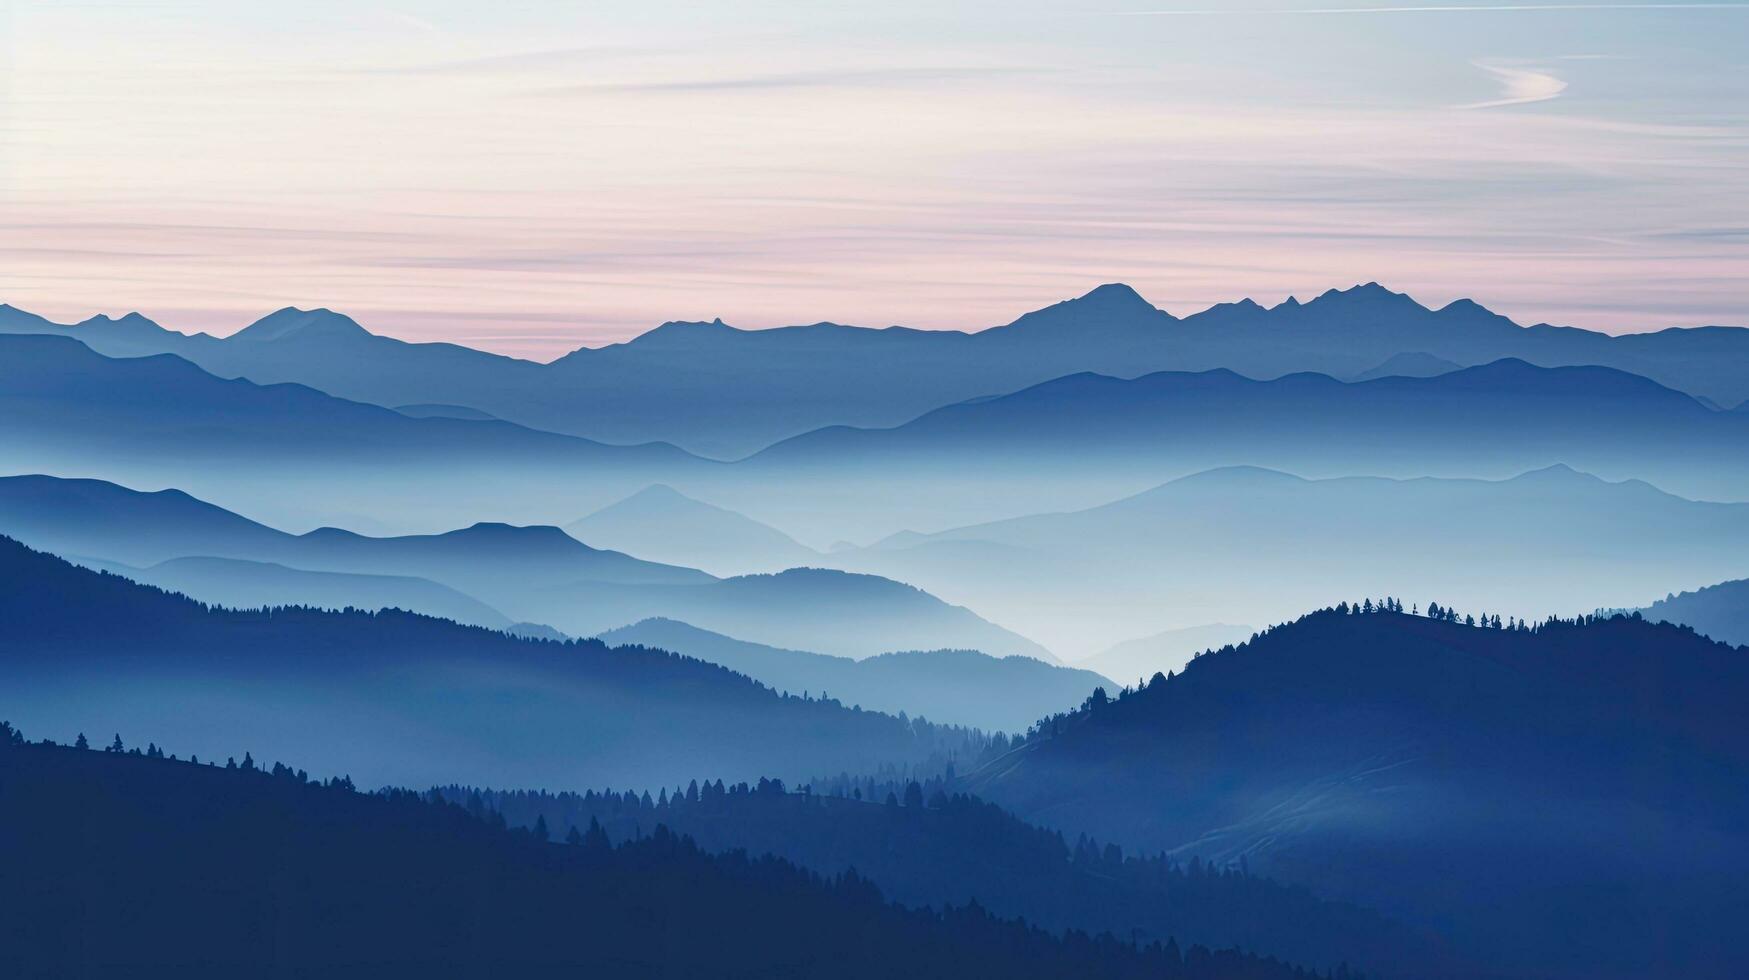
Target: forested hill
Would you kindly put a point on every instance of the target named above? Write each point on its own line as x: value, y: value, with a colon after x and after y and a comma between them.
x: 194, y: 871
x: 1420, y: 764
x: 923, y: 847
x: 397, y: 698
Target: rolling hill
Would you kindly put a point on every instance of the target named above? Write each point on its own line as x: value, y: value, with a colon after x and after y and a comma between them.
x: 661, y: 523
x: 1566, y: 791
x: 148, y: 865
x: 958, y: 686
x: 394, y: 697
x: 289, y: 452
x: 527, y: 574
x: 1720, y: 611
x: 1252, y: 545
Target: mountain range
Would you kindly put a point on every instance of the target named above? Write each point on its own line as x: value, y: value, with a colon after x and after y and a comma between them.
x: 394, y: 697
x: 958, y: 686
x: 1076, y: 440
x: 1720, y: 611
x: 663, y: 524
x: 302, y: 459
x: 1245, y: 543
x: 524, y: 574
x: 721, y: 391
x: 1567, y: 800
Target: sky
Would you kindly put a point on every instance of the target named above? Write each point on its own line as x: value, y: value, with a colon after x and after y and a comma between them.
x: 530, y: 176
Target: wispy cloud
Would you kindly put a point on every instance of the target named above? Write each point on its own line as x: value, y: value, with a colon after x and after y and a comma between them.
x: 522, y: 61
x: 1520, y: 86
x: 1432, y: 9
x: 821, y: 78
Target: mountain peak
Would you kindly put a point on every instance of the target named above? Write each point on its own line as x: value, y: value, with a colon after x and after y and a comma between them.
x: 133, y: 319
x: 292, y: 323
x: 1114, y: 294
x: 1111, y: 307
x: 1369, y: 292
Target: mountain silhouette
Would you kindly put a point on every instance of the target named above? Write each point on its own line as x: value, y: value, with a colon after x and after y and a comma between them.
x: 530, y: 574
x: 1720, y: 611
x: 1249, y: 544
x: 1075, y: 441
x: 727, y: 392
x: 1145, y: 656
x: 663, y: 524
x: 394, y: 697
x: 162, y: 421
x: 1410, y: 364
x: 958, y: 686
x: 1564, y: 791
x: 238, y: 584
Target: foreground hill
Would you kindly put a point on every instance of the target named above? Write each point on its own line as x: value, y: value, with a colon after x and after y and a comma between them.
x: 1576, y: 793
x: 1145, y: 656
x: 527, y: 574
x: 960, y: 686
x: 926, y: 849
x: 396, y: 697
x: 727, y: 392
x: 1246, y: 544
x: 121, y: 864
x: 1720, y: 611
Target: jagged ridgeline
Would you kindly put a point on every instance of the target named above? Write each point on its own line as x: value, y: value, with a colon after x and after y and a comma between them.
x: 118, y: 863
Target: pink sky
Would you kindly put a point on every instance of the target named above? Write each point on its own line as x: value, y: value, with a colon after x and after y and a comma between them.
x: 549, y: 178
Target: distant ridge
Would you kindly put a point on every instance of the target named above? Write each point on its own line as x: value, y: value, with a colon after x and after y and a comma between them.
x: 397, y: 697
x: 1720, y: 611
x: 1240, y: 543
x: 958, y: 686
x: 661, y: 523
x: 727, y: 392
x: 533, y: 574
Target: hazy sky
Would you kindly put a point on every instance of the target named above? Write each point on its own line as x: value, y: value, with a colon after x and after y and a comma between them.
x: 533, y: 176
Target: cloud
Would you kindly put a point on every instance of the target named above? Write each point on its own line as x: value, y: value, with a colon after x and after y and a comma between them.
x: 1520, y: 86
x: 521, y: 61
x: 822, y: 78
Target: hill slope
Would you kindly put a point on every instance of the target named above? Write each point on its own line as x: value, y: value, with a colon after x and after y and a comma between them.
x: 1720, y: 611
x: 1251, y: 545
x: 960, y: 686
x: 663, y: 524
x: 396, y: 697
x: 293, y: 453
x: 529, y: 574
x: 147, y: 866
x: 949, y: 851
x: 1564, y: 792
